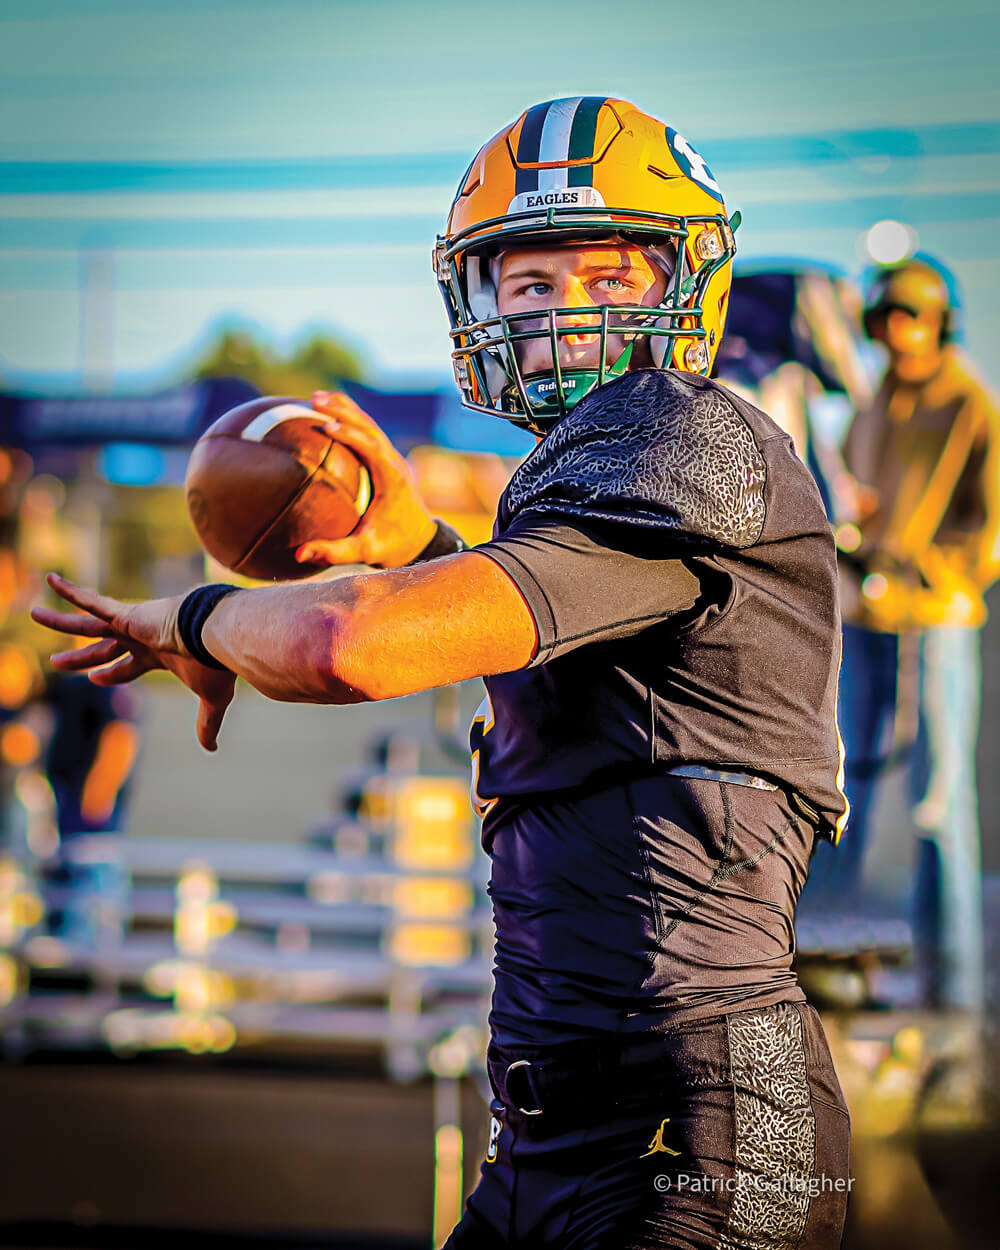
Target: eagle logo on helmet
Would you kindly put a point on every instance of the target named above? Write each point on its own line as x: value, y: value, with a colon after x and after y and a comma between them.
x: 582, y: 169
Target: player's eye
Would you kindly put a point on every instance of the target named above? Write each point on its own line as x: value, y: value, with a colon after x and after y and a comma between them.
x: 611, y: 285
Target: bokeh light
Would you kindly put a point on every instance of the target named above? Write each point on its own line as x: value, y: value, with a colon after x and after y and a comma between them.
x: 888, y: 242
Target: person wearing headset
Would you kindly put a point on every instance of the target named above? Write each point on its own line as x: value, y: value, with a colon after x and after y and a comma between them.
x: 926, y: 456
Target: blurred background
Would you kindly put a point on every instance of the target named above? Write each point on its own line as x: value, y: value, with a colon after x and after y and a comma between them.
x: 245, y: 995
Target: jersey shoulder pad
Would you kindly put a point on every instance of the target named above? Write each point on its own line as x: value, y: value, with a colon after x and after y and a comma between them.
x: 650, y: 452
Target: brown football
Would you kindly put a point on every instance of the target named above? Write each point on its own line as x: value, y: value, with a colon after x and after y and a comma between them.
x: 264, y: 479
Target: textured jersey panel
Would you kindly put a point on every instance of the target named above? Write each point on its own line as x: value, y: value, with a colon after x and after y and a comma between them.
x: 648, y: 450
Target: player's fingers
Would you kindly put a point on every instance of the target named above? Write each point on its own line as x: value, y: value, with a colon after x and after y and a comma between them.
x: 386, y: 467
x: 99, y: 605
x: 212, y: 711
x: 88, y: 657
x: 81, y: 623
x: 341, y: 407
x: 331, y: 551
x: 372, y: 448
x: 370, y: 444
x: 355, y: 428
x: 127, y: 669
x: 208, y: 724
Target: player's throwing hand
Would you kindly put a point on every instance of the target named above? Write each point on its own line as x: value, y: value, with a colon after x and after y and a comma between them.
x: 396, y: 526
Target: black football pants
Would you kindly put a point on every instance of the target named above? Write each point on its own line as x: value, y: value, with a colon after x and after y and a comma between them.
x: 729, y: 1131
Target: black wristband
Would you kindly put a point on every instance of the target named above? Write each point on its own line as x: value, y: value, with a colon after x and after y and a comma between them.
x: 194, y: 611
x: 446, y: 542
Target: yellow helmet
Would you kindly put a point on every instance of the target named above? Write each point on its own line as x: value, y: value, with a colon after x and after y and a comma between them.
x: 580, y: 169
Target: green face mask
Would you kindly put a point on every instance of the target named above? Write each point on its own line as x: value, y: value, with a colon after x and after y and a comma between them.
x: 548, y: 397
x: 484, y: 343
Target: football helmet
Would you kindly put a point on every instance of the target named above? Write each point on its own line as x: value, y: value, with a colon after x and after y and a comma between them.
x: 580, y: 170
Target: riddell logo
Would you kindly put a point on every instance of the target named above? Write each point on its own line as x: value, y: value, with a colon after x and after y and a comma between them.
x: 565, y: 197
x: 549, y: 388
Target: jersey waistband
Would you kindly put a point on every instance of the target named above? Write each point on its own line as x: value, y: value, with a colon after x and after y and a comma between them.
x: 697, y: 772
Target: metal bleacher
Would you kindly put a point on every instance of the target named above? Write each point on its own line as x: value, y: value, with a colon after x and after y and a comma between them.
x: 375, y: 929
x: 365, y: 946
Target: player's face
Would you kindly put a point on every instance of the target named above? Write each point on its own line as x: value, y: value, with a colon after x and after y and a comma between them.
x: 580, y: 278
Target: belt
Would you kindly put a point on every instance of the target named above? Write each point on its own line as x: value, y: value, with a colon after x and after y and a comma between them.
x: 574, y: 1077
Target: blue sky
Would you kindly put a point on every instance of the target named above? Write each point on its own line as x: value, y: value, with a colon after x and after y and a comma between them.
x: 288, y: 165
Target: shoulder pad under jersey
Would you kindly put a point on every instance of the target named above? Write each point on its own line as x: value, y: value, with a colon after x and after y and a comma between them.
x: 651, y: 452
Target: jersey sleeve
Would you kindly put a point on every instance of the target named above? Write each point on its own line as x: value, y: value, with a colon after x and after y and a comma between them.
x: 581, y: 590
x: 651, y: 455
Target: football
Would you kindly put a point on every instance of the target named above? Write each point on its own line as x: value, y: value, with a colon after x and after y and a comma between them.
x: 265, y: 478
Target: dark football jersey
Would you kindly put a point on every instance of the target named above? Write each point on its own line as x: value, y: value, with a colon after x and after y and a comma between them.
x: 676, y: 557
x: 681, y: 571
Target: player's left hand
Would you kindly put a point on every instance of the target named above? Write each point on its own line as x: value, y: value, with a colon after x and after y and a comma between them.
x: 132, y: 639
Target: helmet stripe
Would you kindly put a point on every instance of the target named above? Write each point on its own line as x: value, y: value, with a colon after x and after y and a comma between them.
x: 555, y: 142
x: 583, y: 140
x: 553, y: 134
x: 528, y: 145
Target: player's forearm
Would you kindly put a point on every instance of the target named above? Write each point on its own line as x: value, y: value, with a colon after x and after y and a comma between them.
x: 288, y: 641
x: 375, y: 635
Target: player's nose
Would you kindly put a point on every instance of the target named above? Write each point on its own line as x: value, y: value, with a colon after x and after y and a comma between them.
x: 573, y: 294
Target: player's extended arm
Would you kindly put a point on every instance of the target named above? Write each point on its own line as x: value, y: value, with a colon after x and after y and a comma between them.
x: 370, y: 636
x: 375, y: 635
x: 365, y: 637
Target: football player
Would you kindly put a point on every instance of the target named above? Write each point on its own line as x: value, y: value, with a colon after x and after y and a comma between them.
x: 656, y: 620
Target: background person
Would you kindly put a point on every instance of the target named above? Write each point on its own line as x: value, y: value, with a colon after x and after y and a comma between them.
x: 926, y: 454
x: 91, y: 754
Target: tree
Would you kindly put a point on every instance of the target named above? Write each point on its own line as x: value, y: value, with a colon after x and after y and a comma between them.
x: 329, y: 359
x: 320, y: 363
